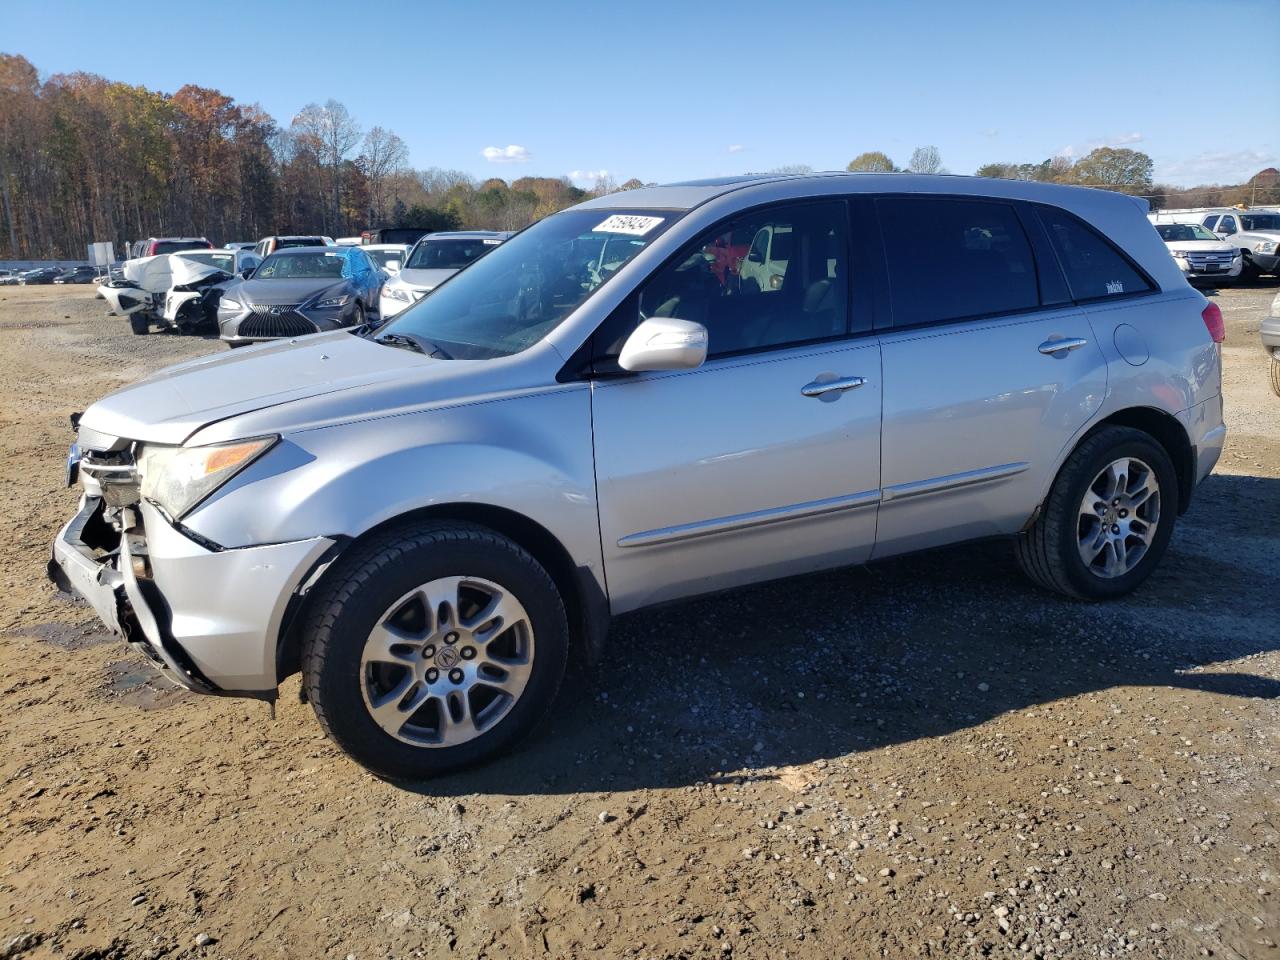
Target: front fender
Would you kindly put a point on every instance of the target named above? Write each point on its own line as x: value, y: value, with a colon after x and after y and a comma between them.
x: 530, y: 454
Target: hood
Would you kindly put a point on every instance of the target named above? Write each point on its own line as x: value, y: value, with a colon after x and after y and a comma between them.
x: 171, y: 405
x: 287, y: 291
x: 425, y: 278
x: 1200, y: 246
x: 153, y: 274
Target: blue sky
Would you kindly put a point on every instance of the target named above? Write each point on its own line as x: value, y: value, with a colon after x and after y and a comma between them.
x: 665, y: 91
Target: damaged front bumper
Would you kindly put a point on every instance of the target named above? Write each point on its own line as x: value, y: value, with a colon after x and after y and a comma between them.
x: 209, y: 618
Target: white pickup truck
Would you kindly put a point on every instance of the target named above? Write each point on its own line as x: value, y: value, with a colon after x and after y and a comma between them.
x: 1256, y: 233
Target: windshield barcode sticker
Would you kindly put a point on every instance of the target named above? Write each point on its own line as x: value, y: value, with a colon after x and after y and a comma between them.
x: 491, y: 243
x: 636, y: 226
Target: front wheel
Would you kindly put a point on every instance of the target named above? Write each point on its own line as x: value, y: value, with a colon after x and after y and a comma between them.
x: 432, y: 648
x: 1107, y: 520
x: 1275, y: 375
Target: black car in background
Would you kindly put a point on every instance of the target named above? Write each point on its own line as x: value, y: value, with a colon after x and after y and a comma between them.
x: 81, y: 274
x: 40, y: 275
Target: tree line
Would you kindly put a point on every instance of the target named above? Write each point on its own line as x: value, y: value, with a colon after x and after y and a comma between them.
x: 1109, y: 168
x: 84, y: 159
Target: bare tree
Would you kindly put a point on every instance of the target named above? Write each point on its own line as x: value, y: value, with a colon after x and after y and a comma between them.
x: 925, y: 160
x: 384, y: 154
x: 334, y: 134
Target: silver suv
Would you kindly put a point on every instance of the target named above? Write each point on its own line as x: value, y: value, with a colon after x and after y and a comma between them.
x: 429, y: 519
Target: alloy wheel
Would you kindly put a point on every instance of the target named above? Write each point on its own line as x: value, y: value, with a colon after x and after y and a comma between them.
x: 447, y: 661
x: 1118, y: 517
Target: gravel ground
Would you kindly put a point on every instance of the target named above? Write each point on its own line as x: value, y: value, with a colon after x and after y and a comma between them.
x: 925, y: 757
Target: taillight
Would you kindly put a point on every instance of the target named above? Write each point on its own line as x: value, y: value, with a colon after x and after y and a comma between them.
x: 1212, y: 317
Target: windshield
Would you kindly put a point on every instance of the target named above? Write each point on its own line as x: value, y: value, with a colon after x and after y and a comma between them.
x: 1260, y: 221
x: 223, y: 261
x: 295, y: 266
x: 448, y: 254
x: 382, y: 257
x: 1174, y: 232
x: 510, y: 299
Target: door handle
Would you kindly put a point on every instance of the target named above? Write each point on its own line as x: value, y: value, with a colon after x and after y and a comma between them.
x: 817, y: 388
x: 1064, y: 345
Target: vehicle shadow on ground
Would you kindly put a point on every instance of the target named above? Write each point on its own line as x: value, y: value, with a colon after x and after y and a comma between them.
x: 834, y: 664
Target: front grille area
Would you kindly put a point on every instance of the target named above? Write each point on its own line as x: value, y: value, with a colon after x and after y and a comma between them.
x: 276, y: 320
x: 1199, y: 261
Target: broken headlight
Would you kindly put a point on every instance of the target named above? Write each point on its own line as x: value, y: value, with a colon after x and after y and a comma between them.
x: 178, y: 478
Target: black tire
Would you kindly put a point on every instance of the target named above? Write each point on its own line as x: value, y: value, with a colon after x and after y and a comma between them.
x: 1249, y: 271
x: 360, y: 317
x: 1275, y: 375
x: 361, y: 588
x: 139, y: 323
x: 1048, y: 552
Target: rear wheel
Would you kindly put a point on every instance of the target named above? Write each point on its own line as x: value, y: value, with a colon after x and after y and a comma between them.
x: 1275, y: 375
x: 138, y: 323
x: 433, y: 648
x: 1107, y: 519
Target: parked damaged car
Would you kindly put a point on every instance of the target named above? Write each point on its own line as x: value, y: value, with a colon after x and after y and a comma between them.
x: 191, y: 304
x: 432, y: 519
x: 301, y: 290
x: 175, y: 291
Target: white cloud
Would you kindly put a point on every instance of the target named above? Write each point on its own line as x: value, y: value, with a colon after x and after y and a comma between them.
x: 736, y: 148
x: 588, y: 176
x: 1221, y: 166
x: 1074, y: 150
x: 508, y: 154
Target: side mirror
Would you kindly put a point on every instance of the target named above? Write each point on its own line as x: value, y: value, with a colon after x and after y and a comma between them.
x: 393, y: 266
x: 248, y: 272
x: 755, y: 257
x: 664, y: 343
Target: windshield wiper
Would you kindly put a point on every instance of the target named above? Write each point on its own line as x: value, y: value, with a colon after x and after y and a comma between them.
x: 409, y: 341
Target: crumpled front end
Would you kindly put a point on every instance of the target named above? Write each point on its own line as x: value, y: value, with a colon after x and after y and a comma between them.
x: 209, y: 618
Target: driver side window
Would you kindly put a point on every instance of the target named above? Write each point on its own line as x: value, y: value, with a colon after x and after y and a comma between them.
x: 788, y: 285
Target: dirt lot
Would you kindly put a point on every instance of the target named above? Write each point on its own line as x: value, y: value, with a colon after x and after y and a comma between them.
x: 927, y: 757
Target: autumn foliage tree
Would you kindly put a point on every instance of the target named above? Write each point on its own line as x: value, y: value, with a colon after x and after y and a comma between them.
x: 83, y: 159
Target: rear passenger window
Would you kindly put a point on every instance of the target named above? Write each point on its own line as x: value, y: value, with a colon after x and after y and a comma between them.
x: 950, y: 259
x: 1094, y: 268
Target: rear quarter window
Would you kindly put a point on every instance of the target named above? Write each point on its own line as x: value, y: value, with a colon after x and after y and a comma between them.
x: 1094, y: 267
x: 951, y: 259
